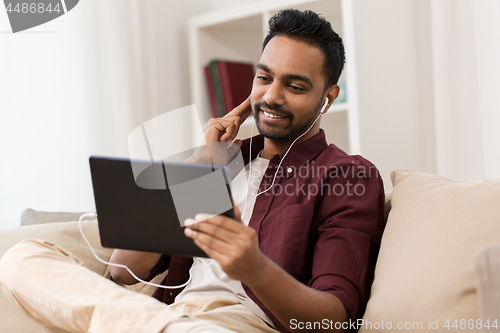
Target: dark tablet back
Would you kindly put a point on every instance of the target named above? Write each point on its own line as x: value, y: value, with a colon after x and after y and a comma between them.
x: 137, y: 212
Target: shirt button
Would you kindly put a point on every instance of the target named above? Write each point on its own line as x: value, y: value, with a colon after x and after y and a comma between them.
x: 289, y: 170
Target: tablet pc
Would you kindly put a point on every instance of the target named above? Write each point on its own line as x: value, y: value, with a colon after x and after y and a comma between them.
x: 142, y: 205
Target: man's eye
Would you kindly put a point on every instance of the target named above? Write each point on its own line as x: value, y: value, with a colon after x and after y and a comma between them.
x: 295, y: 88
x: 262, y: 78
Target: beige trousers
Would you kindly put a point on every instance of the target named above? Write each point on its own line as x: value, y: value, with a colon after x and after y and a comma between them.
x: 50, y: 285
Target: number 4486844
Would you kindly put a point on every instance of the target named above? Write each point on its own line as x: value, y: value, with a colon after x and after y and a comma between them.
x: 33, y: 8
x: 471, y: 323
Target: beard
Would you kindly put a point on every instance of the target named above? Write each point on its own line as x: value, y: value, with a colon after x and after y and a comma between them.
x: 284, y: 133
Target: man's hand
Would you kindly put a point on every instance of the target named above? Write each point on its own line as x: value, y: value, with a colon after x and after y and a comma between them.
x: 219, y: 132
x: 233, y: 245
x: 226, y: 128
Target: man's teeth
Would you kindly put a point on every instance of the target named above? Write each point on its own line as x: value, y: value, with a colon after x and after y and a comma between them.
x: 267, y: 114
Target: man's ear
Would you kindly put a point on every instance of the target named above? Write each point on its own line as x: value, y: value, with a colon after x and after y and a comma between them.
x: 332, y: 93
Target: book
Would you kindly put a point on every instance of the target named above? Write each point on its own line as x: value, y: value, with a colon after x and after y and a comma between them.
x: 211, y: 92
x: 214, y: 69
x: 236, y: 79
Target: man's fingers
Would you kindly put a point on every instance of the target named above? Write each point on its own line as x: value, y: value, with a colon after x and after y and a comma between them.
x: 212, y: 252
x: 226, y: 128
x: 231, y: 132
x: 210, y: 242
x: 216, y: 129
x: 222, y: 221
x: 214, y: 231
x: 237, y: 214
x: 243, y: 110
x: 233, y: 129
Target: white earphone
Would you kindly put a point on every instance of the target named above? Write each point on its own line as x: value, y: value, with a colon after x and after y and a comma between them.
x: 324, y: 105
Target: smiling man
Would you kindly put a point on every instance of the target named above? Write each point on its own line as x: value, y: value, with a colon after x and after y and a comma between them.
x: 301, y: 254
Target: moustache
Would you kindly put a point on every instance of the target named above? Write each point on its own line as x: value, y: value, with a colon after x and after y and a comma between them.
x: 276, y: 109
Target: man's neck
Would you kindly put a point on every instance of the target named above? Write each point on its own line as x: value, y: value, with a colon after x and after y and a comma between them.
x: 273, y: 147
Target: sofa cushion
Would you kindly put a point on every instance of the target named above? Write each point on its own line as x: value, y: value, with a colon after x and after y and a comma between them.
x: 31, y: 216
x: 68, y: 236
x: 425, y: 269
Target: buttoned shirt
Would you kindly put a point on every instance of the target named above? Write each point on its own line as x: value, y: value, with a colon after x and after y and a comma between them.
x: 322, y: 222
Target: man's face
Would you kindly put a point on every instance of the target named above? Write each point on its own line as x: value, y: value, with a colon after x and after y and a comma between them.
x: 288, y: 89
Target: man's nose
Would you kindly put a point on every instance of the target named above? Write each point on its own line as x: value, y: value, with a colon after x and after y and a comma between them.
x: 274, y: 94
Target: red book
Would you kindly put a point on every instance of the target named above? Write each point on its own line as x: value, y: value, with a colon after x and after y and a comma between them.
x: 236, y: 79
x: 211, y: 92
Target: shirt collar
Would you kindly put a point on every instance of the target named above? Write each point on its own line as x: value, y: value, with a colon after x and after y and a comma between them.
x: 299, y: 155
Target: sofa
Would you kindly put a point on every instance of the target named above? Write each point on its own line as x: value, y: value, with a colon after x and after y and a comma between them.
x: 438, y: 268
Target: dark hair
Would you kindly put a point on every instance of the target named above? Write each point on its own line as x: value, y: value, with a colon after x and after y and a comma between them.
x: 313, y: 29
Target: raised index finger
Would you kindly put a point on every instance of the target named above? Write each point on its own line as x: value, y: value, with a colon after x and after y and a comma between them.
x: 219, y: 220
x: 243, y: 110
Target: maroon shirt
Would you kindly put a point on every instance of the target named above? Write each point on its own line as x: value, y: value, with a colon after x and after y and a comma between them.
x: 321, y: 222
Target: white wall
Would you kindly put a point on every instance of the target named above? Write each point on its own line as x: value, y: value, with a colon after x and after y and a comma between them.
x: 466, y: 54
x: 44, y: 140
x: 69, y: 89
x: 65, y: 92
x: 395, y: 86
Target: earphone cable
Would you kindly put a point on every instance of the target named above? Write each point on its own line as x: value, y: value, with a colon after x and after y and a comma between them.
x: 281, y: 161
x: 125, y: 267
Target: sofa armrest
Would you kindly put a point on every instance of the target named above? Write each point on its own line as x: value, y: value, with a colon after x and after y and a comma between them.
x: 487, y: 269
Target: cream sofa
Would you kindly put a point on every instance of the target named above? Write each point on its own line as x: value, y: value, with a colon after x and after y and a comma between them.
x: 439, y: 261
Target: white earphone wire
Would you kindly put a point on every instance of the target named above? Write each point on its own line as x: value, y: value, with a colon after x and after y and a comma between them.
x: 125, y: 267
x: 249, y: 172
x: 281, y: 161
